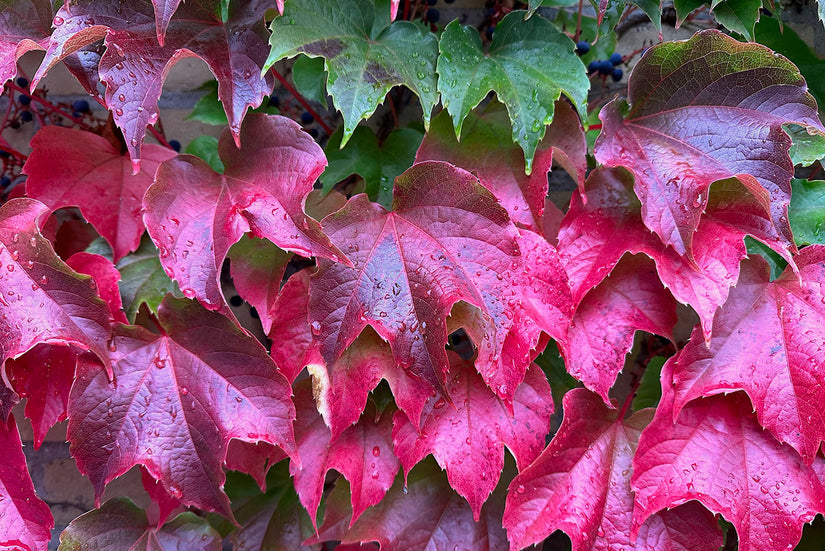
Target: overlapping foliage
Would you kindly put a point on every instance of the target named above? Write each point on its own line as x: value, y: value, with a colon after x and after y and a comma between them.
x: 446, y: 279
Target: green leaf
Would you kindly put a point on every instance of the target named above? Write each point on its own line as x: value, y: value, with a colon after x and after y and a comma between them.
x: 533, y: 5
x: 611, y: 12
x: 737, y: 15
x: 551, y: 362
x: 806, y: 148
x: 310, y: 78
x: 209, y: 110
x: 600, y: 46
x: 807, y: 211
x: 650, y: 390
x: 206, y: 147
x: 363, y: 61
x: 377, y: 164
x: 529, y: 65
x: 776, y: 262
x: 142, y: 279
x: 783, y: 40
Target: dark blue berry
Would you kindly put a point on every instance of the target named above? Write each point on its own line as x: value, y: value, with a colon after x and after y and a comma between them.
x: 235, y: 301
x: 81, y: 106
x: 449, y: 1
x: 175, y: 144
x: 432, y: 15
x: 26, y: 116
x: 4, y: 154
x: 306, y: 117
x: 582, y: 47
x: 489, y: 32
x: 5, y: 181
x: 490, y: 12
x: 24, y: 99
x: 617, y: 74
x: 274, y: 101
x: 22, y: 82
x: 431, y: 2
x: 605, y: 67
x: 593, y: 66
x: 616, y: 59
x: 314, y: 133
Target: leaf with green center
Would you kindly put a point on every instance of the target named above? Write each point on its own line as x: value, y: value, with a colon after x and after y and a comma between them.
x: 529, y: 64
x: 378, y: 164
x: 120, y: 524
x: 363, y: 59
x: 310, y: 78
x: 693, y: 104
x: 143, y: 280
x: 807, y: 211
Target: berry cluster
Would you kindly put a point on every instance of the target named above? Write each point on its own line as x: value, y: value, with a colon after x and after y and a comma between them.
x: 603, y: 66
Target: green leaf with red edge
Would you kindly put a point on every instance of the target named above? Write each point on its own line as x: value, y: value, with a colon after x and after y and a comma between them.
x: 716, y: 452
x: 439, y: 245
x: 421, y: 513
x: 363, y: 454
x: 25, y: 25
x: 70, y: 167
x: 486, y: 150
x: 678, y: 138
x: 27, y: 521
x: 175, y: 402
x: 767, y: 340
x: 594, y: 236
x: 257, y: 267
x: 468, y: 439
x: 105, y: 275
x: 43, y: 376
x: 601, y: 332
x: 120, y: 524
x: 529, y: 64
x: 135, y: 65
x: 194, y: 214
x: 365, y: 55
x: 41, y: 299
x: 581, y: 484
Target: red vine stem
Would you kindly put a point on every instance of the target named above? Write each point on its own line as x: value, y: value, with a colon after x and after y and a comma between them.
x: 297, y: 95
x: 579, y: 21
x: 11, y: 151
x: 48, y: 105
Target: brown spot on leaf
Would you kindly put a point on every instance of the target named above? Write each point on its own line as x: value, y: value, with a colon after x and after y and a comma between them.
x: 327, y: 48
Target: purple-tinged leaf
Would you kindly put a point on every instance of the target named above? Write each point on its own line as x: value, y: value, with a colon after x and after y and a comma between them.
x: 105, y: 275
x: 175, y: 402
x: 25, y: 25
x: 257, y: 267
x: 194, y: 215
x: 692, y: 106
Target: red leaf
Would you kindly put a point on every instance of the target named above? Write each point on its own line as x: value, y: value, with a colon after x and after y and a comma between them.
x: 41, y: 299
x: 165, y: 502
x: 595, y: 235
x: 254, y: 459
x: 423, y: 514
x: 690, y: 101
x: 688, y: 527
x: 468, y: 439
x: 105, y: 275
x: 257, y: 267
x: 292, y: 341
x: 43, y: 376
x: 175, y: 402
x: 767, y: 341
x: 164, y: 10
x: 25, y: 25
x: 487, y: 150
x: 439, y: 245
x: 8, y: 397
x: 27, y: 521
x: 194, y: 214
x: 135, y: 65
x: 120, y: 524
x: 717, y: 454
x: 70, y: 167
x: 630, y: 299
x: 362, y: 453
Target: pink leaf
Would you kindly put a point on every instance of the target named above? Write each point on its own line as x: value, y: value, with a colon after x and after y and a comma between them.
x: 176, y: 401
x: 688, y: 527
x: 25, y: 25
x: 194, y: 214
x: 767, y: 341
x: 601, y: 334
x: 690, y: 101
x: 254, y: 459
x: 70, y: 167
x: 487, y: 150
x: 135, y: 65
x: 439, y: 245
x: 717, y: 454
x: 292, y: 340
x: 424, y: 513
x: 41, y: 299
x: 362, y: 453
x: 468, y: 439
x: 43, y: 376
x: 27, y: 521
x: 166, y: 504
x: 257, y: 267
x: 105, y: 275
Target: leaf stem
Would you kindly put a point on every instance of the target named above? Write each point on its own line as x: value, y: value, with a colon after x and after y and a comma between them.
x: 579, y: 21
x: 297, y: 95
